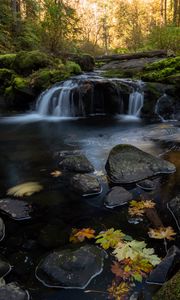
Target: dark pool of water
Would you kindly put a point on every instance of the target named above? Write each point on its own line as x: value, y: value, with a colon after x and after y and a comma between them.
x: 29, y: 151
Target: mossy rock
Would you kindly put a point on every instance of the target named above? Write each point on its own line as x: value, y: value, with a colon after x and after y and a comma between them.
x: 7, y: 60
x: 113, y: 74
x: 27, y: 62
x: 85, y: 61
x: 73, y: 68
x: 5, y: 76
x: 165, y: 63
x: 170, y: 290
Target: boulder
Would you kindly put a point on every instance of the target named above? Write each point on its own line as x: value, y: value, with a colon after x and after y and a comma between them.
x: 2, y: 230
x: 15, y: 209
x: 147, y: 185
x: 5, y: 268
x: 170, y: 290
x: 85, y: 185
x: 71, y: 268
x: 76, y: 163
x: 117, y: 196
x: 128, y: 164
x: 13, y: 291
x: 164, y: 270
x: 174, y: 208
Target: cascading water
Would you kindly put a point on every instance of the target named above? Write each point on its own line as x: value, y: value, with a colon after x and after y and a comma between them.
x: 87, y: 95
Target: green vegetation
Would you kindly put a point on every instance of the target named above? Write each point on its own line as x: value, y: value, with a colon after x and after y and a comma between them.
x: 170, y: 290
x: 7, y: 60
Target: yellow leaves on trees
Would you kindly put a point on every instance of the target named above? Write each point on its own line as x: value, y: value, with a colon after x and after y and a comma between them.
x: 162, y: 233
x: 110, y: 238
x: 25, y: 189
x: 137, y: 208
x: 79, y: 235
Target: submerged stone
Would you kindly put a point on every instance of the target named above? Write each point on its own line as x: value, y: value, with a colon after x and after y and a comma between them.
x: 5, y: 268
x: 2, y: 230
x: 85, y: 185
x: 128, y: 164
x: 163, y: 271
x: 71, y: 268
x: 147, y: 185
x: 76, y: 163
x: 13, y: 291
x: 174, y: 208
x: 15, y: 209
x: 117, y: 196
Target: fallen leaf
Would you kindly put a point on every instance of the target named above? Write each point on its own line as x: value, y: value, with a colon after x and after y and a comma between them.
x: 137, y: 208
x: 79, y: 235
x: 109, y: 238
x: 25, y: 189
x: 56, y: 173
x: 118, y: 291
x: 162, y: 233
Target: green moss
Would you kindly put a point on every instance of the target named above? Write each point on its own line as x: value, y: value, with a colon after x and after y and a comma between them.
x: 5, y: 76
x: 170, y: 290
x: 7, y: 60
x: 73, y: 68
x: 27, y: 62
x: 165, y: 63
x: 20, y: 83
x: 9, y: 94
x: 113, y: 73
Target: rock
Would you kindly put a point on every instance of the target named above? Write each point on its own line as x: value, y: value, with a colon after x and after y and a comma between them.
x: 16, y: 209
x: 174, y: 208
x: 13, y: 291
x: 85, y: 61
x: 165, y: 107
x: 147, y: 185
x: 128, y: 164
x: 2, y: 230
x: 117, y: 196
x: 76, y: 163
x: 5, y: 268
x: 71, y: 268
x: 85, y: 185
x: 163, y: 271
x: 170, y: 290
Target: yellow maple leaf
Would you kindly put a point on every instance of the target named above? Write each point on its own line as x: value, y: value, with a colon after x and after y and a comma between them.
x: 137, y: 208
x: 25, y: 189
x: 162, y: 233
x: 56, y: 173
x: 79, y: 235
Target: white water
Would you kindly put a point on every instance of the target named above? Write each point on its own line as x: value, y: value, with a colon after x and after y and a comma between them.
x: 59, y: 101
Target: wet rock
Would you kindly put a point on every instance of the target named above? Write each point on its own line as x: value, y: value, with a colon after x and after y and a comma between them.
x: 13, y: 291
x: 85, y: 185
x: 5, y: 268
x: 147, y: 185
x: 163, y: 271
x: 117, y: 196
x: 71, y: 268
x: 165, y: 107
x: 174, y: 208
x: 128, y: 164
x: 170, y: 290
x: 2, y: 230
x: 15, y: 209
x: 76, y: 163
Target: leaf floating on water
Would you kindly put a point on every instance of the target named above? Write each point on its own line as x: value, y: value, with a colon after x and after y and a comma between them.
x: 110, y: 238
x: 25, y: 189
x: 56, y: 173
x: 137, y: 208
x: 79, y: 235
x: 118, y: 291
x: 162, y: 233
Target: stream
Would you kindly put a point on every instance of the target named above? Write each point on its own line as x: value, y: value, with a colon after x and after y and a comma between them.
x: 30, y: 149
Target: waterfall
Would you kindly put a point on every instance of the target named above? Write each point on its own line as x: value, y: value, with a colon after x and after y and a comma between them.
x: 136, y: 101
x: 87, y: 95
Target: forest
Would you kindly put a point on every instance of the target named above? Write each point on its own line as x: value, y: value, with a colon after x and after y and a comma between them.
x: 95, y: 27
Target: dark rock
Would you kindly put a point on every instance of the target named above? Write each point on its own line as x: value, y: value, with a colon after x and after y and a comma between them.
x: 85, y: 185
x: 147, y: 185
x: 76, y: 163
x: 163, y: 271
x: 174, y: 208
x: 5, y: 268
x: 117, y: 196
x: 170, y: 290
x: 2, y: 230
x: 85, y: 61
x: 71, y: 268
x: 128, y: 164
x: 16, y: 209
x: 165, y: 107
x: 13, y: 291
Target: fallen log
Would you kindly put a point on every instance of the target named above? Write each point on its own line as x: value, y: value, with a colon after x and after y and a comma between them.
x: 149, y: 54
